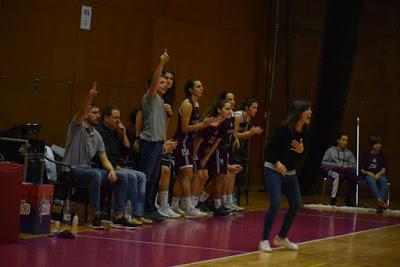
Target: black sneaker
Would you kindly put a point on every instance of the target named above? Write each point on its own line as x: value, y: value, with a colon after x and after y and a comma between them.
x: 226, y: 209
x: 203, y: 206
x: 155, y: 216
x: 333, y: 201
x: 123, y: 223
x: 96, y: 223
x: 221, y: 212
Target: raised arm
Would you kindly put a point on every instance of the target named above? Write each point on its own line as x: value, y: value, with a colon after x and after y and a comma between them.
x: 155, y: 81
x: 85, y: 106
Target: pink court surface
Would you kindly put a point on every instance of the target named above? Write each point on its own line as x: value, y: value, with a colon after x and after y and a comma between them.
x: 176, y: 242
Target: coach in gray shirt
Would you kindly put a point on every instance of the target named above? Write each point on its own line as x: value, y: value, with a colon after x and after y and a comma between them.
x: 152, y: 136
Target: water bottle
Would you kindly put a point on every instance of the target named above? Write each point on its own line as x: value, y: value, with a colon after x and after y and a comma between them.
x: 67, y: 212
x: 128, y: 210
x: 75, y: 221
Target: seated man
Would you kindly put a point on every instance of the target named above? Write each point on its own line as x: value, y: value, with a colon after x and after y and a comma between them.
x: 373, y: 168
x: 117, y: 144
x: 84, y: 144
x: 337, y: 162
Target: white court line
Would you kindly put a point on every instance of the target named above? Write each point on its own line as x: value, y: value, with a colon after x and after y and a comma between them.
x: 158, y: 243
x: 301, y: 243
x: 335, y: 217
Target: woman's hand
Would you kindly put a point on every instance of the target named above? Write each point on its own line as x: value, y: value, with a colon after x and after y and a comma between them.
x: 297, y: 147
x: 280, y: 168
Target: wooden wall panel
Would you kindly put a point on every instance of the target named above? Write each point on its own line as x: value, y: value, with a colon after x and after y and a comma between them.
x: 305, y: 65
x: 201, y: 12
x: 376, y: 79
x: 300, y: 38
x: 138, y: 50
x: 99, y: 51
x: 50, y: 107
x: 137, y: 7
x: 243, y: 15
x: 36, y: 38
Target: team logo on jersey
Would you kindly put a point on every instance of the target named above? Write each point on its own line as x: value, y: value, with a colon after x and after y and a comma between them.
x: 185, y: 152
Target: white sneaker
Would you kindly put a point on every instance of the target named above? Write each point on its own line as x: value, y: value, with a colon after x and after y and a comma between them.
x: 168, y: 212
x: 178, y: 211
x: 161, y: 212
x: 265, y: 246
x: 284, y: 242
x: 228, y: 207
x: 194, y: 213
x: 236, y: 207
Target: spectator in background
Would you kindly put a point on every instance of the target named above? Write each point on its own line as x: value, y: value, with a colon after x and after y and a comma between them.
x: 339, y: 162
x: 373, y: 169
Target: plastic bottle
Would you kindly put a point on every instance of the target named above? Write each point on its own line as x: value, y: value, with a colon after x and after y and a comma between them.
x: 128, y: 210
x: 67, y: 212
x: 75, y: 221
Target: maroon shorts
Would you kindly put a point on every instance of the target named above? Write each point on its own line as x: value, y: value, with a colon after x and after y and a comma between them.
x: 218, y: 163
x: 183, y: 154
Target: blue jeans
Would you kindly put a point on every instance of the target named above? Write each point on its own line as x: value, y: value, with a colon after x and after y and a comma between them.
x: 378, y: 187
x: 97, y: 177
x: 136, y: 190
x: 150, y: 162
x: 277, y: 183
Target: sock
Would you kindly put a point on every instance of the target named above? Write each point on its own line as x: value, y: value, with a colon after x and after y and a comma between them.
x: 224, y: 198
x: 229, y: 198
x: 175, y: 202
x: 217, y: 203
x: 195, y: 200
x: 204, y: 196
x: 188, y: 203
x: 163, y: 199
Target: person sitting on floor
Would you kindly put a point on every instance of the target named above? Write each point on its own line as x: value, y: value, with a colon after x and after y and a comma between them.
x: 373, y: 168
x: 338, y: 161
